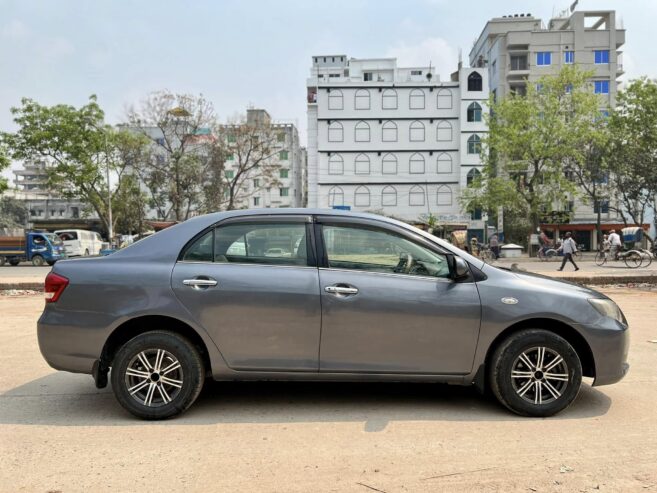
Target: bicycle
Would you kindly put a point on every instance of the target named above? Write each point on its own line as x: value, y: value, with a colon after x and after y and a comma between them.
x: 547, y: 253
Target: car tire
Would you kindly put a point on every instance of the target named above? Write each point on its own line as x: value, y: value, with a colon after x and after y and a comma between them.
x: 38, y: 261
x: 528, y: 387
x: 146, y: 397
x: 2, y: 261
x: 14, y: 262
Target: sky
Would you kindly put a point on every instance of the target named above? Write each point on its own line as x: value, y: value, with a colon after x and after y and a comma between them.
x: 241, y: 53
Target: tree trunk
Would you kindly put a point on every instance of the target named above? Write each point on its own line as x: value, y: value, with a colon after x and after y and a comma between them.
x: 598, y: 228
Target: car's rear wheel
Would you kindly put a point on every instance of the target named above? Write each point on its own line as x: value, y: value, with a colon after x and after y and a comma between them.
x: 535, y: 372
x: 157, y: 375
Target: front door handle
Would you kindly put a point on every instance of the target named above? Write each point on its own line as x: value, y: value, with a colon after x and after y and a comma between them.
x: 341, y: 290
x: 200, y: 283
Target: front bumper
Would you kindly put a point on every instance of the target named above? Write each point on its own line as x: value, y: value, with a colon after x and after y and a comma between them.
x: 610, y: 344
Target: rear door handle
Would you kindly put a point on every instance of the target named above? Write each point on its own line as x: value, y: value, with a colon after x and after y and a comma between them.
x: 199, y: 283
x: 341, y: 290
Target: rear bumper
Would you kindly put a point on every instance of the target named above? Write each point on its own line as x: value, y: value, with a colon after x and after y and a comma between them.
x: 66, y: 347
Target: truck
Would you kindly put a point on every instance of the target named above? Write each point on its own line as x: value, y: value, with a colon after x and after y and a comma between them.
x: 36, y: 247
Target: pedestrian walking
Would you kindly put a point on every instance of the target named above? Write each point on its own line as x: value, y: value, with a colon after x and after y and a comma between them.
x: 494, y: 244
x: 568, y: 247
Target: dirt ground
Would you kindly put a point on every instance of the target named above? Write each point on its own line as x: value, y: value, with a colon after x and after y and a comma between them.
x: 59, y: 433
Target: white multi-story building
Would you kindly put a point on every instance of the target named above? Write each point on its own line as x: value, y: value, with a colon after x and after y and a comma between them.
x: 516, y: 50
x: 393, y: 140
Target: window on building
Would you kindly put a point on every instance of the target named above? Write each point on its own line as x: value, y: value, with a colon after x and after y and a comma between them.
x: 284, y: 191
x: 389, y: 196
x: 475, y: 82
x: 335, y: 132
x: 568, y: 57
x: 362, y: 132
x: 362, y: 99
x: 471, y: 176
x: 283, y: 155
x: 335, y: 165
x: 75, y: 212
x: 362, y: 165
x: 281, y: 137
x: 61, y: 212
x: 416, y: 195
x: 389, y: 164
x: 284, y: 173
x: 160, y: 141
x: 335, y: 100
x: 444, y: 195
x: 256, y: 200
x: 256, y: 183
x: 474, y: 112
x: 602, y: 206
x: 389, y: 132
x: 335, y: 196
x: 362, y: 197
x: 543, y: 58
x: 601, y: 87
x: 416, y: 99
x: 474, y: 144
x: 444, y: 162
x: 230, y: 174
x: 416, y: 164
x: 416, y: 72
x: 368, y: 76
x: 444, y: 131
x: 568, y: 88
x: 518, y: 62
x: 444, y: 100
x: 601, y: 56
x: 416, y: 131
x: 389, y: 99
x: 33, y: 212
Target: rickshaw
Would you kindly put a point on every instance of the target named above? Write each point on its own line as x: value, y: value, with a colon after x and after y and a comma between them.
x: 633, y: 256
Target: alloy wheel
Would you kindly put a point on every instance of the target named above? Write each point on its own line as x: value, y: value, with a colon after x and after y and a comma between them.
x: 154, y: 377
x: 539, y: 375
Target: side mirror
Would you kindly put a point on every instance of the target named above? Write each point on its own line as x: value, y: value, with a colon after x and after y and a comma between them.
x: 461, y: 268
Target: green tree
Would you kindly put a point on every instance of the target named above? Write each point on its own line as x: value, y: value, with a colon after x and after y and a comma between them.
x: 633, y: 151
x: 79, y: 147
x: 13, y: 213
x: 530, y: 139
x: 4, y: 163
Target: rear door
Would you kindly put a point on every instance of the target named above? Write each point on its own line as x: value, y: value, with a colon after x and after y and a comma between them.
x: 253, y: 285
x: 389, y: 304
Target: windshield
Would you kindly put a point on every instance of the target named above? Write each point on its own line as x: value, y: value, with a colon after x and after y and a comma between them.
x: 53, y: 239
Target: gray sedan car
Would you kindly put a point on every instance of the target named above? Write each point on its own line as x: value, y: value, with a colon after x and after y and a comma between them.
x: 321, y: 295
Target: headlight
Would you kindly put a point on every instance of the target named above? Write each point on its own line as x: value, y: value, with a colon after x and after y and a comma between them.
x: 608, y: 308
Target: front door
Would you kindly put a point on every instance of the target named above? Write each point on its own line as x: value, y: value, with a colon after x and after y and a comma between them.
x: 254, y: 287
x: 390, y: 306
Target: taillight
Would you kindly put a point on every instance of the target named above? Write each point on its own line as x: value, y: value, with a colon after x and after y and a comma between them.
x: 55, y: 285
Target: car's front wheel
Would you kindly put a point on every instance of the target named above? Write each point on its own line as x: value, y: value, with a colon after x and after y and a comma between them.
x: 535, y: 372
x: 157, y: 375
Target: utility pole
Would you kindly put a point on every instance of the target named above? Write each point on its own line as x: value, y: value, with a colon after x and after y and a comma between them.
x: 110, y: 227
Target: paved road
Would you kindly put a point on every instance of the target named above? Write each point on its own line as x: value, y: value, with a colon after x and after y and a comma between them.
x: 59, y: 433
x: 23, y: 271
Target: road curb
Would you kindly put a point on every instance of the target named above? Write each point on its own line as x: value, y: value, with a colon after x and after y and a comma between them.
x: 32, y: 286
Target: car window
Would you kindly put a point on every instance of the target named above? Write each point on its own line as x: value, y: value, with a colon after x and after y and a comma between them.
x: 261, y: 243
x: 375, y: 250
x: 201, y: 249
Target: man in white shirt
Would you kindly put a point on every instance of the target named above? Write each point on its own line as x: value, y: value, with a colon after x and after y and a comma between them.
x: 568, y: 247
x: 615, y: 244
